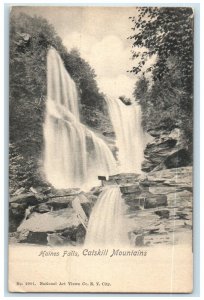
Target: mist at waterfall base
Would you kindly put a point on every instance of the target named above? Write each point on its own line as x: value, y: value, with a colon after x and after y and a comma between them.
x: 74, y: 156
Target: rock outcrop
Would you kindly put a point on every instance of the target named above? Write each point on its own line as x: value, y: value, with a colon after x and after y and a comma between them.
x: 167, y: 150
x: 48, y: 216
x: 159, y: 206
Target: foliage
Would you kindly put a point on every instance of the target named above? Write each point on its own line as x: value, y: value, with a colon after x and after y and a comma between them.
x: 167, y: 33
x: 84, y: 76
x: 30, y: 39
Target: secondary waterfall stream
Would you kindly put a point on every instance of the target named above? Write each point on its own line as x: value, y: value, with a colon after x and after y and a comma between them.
x: 126, y: 120
x: 107, y: 224
x: 74, y: 156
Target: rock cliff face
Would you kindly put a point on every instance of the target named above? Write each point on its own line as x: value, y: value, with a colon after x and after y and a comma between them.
x: 167, y: 150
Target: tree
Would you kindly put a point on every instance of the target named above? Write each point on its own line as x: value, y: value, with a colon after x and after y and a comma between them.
x: 166, y: 32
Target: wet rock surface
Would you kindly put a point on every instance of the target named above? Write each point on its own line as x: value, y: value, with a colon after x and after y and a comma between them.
x: 158, y: 210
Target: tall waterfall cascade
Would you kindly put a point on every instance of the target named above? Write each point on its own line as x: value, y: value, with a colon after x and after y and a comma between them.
x: 73, y: 156
x: 126, y: 120
x: 106, y: 225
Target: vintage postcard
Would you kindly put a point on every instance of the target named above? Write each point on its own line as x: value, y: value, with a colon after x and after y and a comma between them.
x: 100, y: 149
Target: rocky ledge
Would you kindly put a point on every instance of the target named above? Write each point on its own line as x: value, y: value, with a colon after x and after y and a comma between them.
x: 167, y: 150
x: 158, y: 210
x: 159, y: 206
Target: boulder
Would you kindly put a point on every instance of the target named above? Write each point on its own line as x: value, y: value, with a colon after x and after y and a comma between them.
x: 155, y: 132
x: 160, y: 146
x: 167, y: 150
x: 75, y: 235
x: 18, y: 205
x: 26, y: 236
x: 180, y: 158
x: 176, y: 134
x: 96, y: 190
x: 153, y: 230
x: 163, y: 131
x: 60, y: 202
x: 87, y: 207
x: 28, y: 199
x: 52, y: 193
x: 155, y: 201
x: 42, y: 208
x: 157, y: 151
x: 18, y: 208
x: 92, y: 198
x: 16, y: 215
x: 124, y: 178
x: 109, y: 134
x: 125, y: 100
x: 50, y: 221
x: 134, y: 202
x: 42, y: 189
x: 55, y: 239
x: 147, y: 184
x: 163, y: 213
x: 70, y: 236
x: 148, y: 166
x: 130, y: 188
x: 182, y: 215
x: 22, y: 235
x: 86, y: 203
x: 143, y: 199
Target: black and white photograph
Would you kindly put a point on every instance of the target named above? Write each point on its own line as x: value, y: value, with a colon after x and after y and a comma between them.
x: 101, y: 147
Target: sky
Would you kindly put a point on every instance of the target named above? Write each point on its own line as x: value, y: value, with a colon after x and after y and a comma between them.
x: 100, y: 34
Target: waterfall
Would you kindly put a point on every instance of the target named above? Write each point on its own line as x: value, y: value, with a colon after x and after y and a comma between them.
x: 73, y: 156
x: 126, y: 120
x: 107, y: 226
